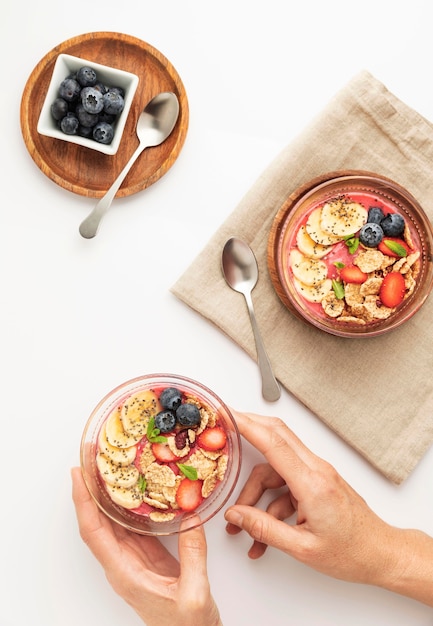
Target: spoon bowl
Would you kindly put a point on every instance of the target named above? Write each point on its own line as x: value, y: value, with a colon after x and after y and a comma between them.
x: 241, y: 273
x: 155, y: 124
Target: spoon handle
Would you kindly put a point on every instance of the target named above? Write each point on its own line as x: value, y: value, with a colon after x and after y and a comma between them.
x: 270, y: 388
x: 89, y: 226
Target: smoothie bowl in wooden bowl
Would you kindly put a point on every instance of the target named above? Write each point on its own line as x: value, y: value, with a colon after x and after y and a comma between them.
x: 350, y: 253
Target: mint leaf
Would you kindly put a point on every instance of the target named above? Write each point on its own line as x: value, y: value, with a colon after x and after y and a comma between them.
x: 150, y: 427
x: 188, y: 471
x: 395, y: 247
x: 152, y: 433
x: 339, y: 265
x: 338, y: 288
x: 158, y: 438
x: 352, y: 243
x: 142, y: 483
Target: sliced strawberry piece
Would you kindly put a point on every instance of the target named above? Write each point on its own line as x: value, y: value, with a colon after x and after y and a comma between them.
x: 392, y: 289
x: 212, y: 439
x: 352, y: 274
x: 398, y: 245
x: 188, y: 495
x: 162, y: 453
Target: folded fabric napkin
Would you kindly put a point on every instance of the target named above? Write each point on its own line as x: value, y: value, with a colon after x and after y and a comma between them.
x: 376, y: 393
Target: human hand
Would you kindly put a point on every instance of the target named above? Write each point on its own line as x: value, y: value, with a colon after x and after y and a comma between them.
x: 163, y: 591
x: 335, y: 532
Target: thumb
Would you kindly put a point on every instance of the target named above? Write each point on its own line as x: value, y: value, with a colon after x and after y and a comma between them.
x: 264, y: 528
x: 192, y: 555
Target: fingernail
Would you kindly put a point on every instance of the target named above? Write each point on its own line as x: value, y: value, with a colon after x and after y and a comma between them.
x: 234, y: 517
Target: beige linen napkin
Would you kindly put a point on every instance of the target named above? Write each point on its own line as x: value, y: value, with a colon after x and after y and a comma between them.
x: 377, y: 394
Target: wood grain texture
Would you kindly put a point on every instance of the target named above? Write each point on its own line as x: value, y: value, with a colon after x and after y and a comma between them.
x: 88, y: 172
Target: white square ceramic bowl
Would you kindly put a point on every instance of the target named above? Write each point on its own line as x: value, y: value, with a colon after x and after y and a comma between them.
x: 65, y: 66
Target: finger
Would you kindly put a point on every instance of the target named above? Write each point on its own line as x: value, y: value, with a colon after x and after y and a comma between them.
x: 281, y: 508
x: 88, y: 515
x: 192, y: 556
x: 263, y: 528
x: 152, y: 555
x: 95, y: 528
x: 262, y: 478
x: 253, y: 426
x: 284, y: 451
x: 108, y: 541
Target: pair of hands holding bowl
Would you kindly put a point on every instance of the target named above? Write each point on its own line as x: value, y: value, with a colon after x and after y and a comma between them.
x: 336, y: 533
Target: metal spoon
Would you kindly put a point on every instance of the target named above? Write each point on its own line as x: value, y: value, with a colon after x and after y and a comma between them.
x: 154, y: 126
x: 241, y: 273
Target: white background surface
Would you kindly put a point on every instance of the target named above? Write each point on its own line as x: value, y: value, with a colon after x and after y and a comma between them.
x: 78, y: 317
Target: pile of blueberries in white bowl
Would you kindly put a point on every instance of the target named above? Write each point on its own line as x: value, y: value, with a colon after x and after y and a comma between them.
x: 87, y: 103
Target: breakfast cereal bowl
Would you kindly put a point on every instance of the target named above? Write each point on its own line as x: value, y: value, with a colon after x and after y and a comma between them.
x: 49, y: 123
x: 160, y: 451
x: 350, y: 253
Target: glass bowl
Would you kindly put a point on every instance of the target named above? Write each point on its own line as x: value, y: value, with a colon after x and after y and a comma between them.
x: 67, y: 65
x: 139, y: 480
x: 358, y: 310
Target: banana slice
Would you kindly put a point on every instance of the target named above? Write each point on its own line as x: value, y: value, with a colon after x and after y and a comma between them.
x: 315, y: 230
x: 119, y: 456
x: 306, y: 270
x: 314, y: 293
x: 341, y: 217
x: 137, y: 411
x: 308, y: 246
x: 127, y: 498
x: 116, y: 475
x: 115, y: 433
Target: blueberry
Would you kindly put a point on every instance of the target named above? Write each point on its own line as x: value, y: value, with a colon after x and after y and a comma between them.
x: 85, y: 118
x: 81, y: 107
x: 393, y: 225
x: 375, y: 215
x: 103, y: 132
x: 118, y: 90
x: 69, y: 124
x: 188, y: 414
x: 113, y: 102
x: 371, y: 235
x: 106, y: 117
x: 92, y: 100
x: 85, y: 131
x: 69, y: 89
x: 86, y: 76
x: 59, y: 108
x: 165, y: 421
x: 170, y: 398
x: 100, y: 87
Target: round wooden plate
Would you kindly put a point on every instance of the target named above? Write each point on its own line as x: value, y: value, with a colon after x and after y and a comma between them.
x: 88, y: 172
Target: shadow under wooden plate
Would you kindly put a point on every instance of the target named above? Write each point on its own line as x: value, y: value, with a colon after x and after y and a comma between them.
x: 82, y: 170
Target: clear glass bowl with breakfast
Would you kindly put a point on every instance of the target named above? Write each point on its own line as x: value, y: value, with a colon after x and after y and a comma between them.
x: 158, y: 450
x: 351, y: 254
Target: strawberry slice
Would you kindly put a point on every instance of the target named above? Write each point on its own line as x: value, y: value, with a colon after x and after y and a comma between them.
x: 212, y: 439
x: 392, y: 289
x: 162, y: 453
x: 352, y: 274
x: 398, y: 247
x: 188, y: 495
